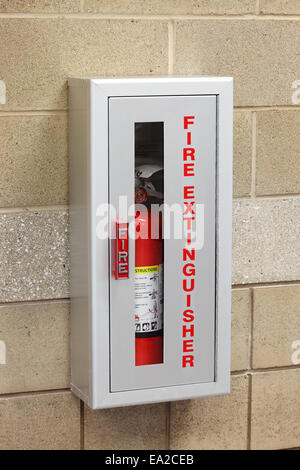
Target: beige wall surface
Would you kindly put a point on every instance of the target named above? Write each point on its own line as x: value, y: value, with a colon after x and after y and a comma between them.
x: 42, y: 43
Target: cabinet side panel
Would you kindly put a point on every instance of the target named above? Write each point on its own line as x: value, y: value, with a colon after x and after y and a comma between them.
x: 79, y: 239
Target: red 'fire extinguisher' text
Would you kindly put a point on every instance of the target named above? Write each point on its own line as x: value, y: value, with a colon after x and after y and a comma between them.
x: 188, y: 254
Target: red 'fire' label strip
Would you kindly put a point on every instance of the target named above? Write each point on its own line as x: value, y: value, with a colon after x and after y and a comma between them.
x: 121, y: 251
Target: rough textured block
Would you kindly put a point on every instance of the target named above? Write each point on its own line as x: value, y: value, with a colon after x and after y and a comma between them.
x: 170, y: 7
x: 278, y: 151
x: 34, y: 248
x: 137, y: 427
x: 33, y: 159
x: 212, y: 423
x: 34, y: 255
x: 36, y: 336
x: 40, y: 6
x: 276, y: 326
x: 275, y: 410
x: 45, y: 52
x: 40, y: 422
x: 266, y: 242
x: 262, y: 56
x: 242, y: 154
x: 241, y: 312
x: 289, y: 7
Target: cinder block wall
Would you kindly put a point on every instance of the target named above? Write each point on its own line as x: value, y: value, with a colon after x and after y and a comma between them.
x: 42, y: 43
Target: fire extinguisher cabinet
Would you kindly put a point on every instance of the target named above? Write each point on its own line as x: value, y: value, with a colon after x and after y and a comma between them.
x: 150, y: 234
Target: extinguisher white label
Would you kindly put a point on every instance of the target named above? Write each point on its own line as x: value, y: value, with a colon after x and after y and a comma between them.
x: 148, y: 292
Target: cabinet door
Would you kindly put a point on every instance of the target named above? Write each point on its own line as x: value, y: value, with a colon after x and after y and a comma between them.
x: 127, y: 116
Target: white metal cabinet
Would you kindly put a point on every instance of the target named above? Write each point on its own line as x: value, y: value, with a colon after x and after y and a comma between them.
x: 103, y: 114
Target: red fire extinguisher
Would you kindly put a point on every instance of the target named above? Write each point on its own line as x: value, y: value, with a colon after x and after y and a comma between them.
x: 148, y: 285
